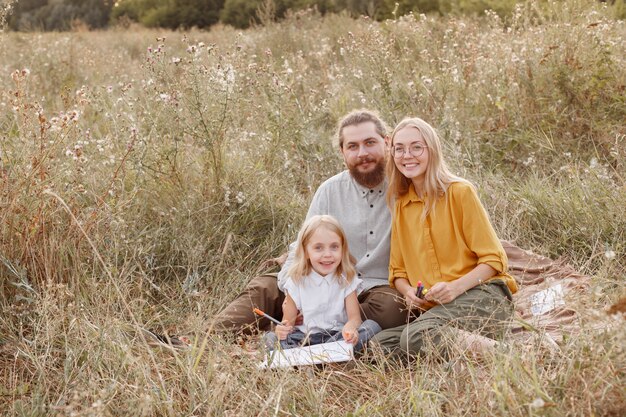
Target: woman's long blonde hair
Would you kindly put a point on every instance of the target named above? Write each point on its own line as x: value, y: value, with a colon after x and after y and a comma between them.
x: 301, y: 266
x: 438, y: 176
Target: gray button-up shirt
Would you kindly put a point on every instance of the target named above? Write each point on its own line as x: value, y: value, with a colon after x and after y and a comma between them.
x: 366, y: 220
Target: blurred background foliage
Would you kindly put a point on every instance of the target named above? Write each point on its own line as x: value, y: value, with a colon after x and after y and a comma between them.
x: 59, y: 15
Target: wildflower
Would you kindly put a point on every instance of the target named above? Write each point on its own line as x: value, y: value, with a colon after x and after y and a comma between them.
x: 537, y: 403
x: 227, y: 198
x: 176, y: 60
x: 74, y: 115
x: 529, y: 161
x: 609, y: 254
x: 226, y: 77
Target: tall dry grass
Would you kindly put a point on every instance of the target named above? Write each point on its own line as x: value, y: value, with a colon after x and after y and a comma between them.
x: 145, y: 175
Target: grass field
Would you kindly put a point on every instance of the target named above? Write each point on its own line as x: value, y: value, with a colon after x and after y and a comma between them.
x: 144, y: 177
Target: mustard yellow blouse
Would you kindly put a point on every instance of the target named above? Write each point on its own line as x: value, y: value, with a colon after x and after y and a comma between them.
x: 455, y: 237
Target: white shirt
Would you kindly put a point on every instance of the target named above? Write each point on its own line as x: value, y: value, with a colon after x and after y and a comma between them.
x: 321, y: 300
x: 366, y: 220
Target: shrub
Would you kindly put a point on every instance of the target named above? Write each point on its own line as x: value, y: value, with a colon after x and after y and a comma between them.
x: 171, y: 14
x: 60, y: 15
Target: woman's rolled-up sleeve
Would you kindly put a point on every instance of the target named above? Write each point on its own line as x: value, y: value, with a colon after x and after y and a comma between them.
x: 480, y: 236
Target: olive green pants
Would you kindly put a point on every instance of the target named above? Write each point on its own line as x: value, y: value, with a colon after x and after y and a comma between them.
x: 484, y: 309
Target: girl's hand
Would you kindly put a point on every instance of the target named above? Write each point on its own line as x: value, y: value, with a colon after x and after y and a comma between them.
x: 412, y: 301
x: 442, y: 293
x: 283, y: 330
x: 350, y: 335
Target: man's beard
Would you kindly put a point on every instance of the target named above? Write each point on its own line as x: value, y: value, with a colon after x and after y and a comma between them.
x: 369, y: 179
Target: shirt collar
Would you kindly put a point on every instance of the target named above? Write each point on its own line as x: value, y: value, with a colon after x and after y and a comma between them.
x: 410, y: 197
x: 318, y: 279
x: 379, y: 190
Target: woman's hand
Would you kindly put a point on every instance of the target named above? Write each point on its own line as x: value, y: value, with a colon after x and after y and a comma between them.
x: 442, y: 293
x: 350, y: 334
x: 412, y: 301
x: 283, y: 330
x: 410, y: 297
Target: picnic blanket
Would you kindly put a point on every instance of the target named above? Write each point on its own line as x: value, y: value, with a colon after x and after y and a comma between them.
x: 534, y: 274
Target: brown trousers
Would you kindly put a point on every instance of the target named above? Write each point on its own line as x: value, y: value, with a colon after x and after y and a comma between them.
x: 382, y: 304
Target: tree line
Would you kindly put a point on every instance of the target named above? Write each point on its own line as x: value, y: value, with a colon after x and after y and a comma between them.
x: 174, y: 14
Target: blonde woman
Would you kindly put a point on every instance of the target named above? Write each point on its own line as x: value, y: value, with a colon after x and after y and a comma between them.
x: 441, y: 235
x: 323, y: 288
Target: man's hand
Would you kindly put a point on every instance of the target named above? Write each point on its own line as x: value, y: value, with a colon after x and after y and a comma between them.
x: 283, y: 330
x: 350, y: 334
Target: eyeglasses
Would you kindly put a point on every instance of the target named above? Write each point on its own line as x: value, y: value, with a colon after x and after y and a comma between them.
x: 415, y: 149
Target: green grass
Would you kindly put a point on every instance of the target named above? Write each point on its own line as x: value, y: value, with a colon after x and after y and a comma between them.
x: 146, y: 188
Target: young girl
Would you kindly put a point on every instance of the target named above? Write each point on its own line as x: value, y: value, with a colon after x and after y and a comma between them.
x: 441, y: 236
x: 323, y: 287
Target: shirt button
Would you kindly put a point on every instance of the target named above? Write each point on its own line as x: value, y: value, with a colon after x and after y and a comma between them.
x: 371, y: 191
x: 359, y: 274
x: 368, y: 255
x: 371, y: 206
x: 371, y: 232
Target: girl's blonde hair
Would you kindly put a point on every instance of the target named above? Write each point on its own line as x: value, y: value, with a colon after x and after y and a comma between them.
x: 301, y: 266
x: 438, y: 176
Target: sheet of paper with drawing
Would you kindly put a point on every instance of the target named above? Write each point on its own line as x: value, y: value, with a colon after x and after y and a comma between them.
x: 547, y: 300
x: 340, y: 351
